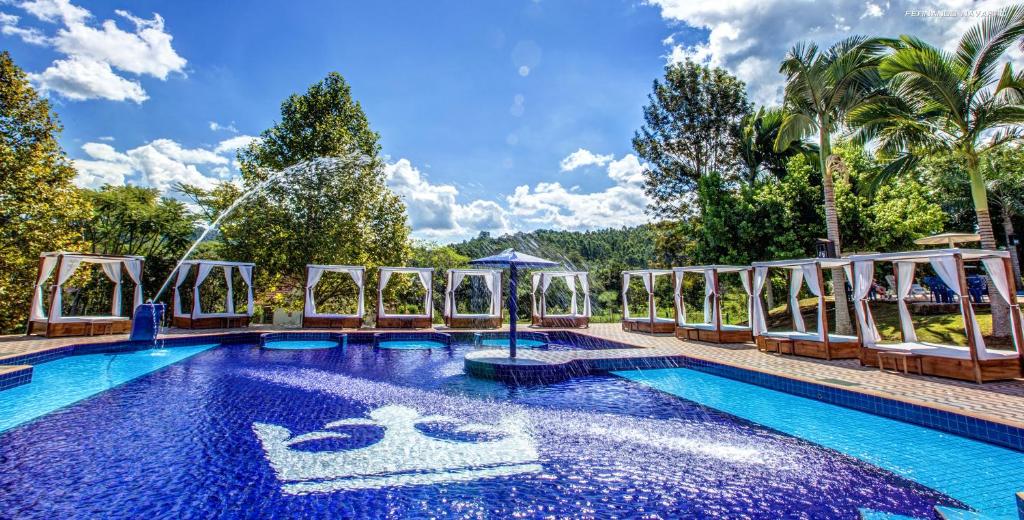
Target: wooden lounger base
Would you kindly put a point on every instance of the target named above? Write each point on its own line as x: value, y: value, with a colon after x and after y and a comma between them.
x: 561, y: 322
x: 212, y: 322
x: 347, y: 322
x: 812, y: 349
x: 963, y: 369
x: 463, y: 322
x: 404, y: 322
x: 80, y: 328
x: 658, y: 327
x: 714, y: 336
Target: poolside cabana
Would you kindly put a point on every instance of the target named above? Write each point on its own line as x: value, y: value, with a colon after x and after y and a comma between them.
x: 51, y: 322
x: 487, y: 320
x: 650, y: 323
x: 818, y: 344
x: 712, y: 329
x: 576, y: 317
x: 971, y: 362
x: 199, y: 319
x: 406, y: 321
x: 312, y: 318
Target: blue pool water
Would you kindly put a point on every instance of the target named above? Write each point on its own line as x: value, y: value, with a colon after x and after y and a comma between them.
x: 504, y: 343
x: 300, y: 344
x: 410, y: 344
x: 358, y: 432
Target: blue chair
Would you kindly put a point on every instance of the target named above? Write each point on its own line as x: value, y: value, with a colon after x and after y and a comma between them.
x: 977, y: 287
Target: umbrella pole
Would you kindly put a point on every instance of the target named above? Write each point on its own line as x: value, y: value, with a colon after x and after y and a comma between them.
x: 513, y: 280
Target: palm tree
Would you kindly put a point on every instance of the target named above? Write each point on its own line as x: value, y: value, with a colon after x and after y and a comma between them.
x: 1007, y: 189
x: 822, y: 87
x: 952, y: 102
x: 755, y: 142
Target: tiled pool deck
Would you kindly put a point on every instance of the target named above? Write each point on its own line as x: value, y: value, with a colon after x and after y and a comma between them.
x: 1001, y: 402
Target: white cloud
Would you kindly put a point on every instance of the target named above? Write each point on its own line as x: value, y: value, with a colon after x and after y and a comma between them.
x: 750, y: 37
x: 94, y: 56
x: 234, y: 143
x: 80, y: 78
x: 160, y: 163
x: 106, y: 138
x: 230, y: 127
x: 583, y: 157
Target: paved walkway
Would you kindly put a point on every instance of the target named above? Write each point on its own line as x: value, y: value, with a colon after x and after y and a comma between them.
x: 999, y: 402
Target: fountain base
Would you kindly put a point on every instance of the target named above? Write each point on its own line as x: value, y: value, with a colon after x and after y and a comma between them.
x: 146, y: 322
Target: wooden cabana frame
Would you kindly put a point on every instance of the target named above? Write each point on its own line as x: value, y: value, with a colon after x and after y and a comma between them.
x: 406, y: 321
x: 196, y: 318
x: 651, y: 323
x: 489, y: 320
x: 971, y: 362
x: 313, y: 319
x: 577, y: 317
x: 821, y: 344
x: 712, y: 329
x: 51, y: 323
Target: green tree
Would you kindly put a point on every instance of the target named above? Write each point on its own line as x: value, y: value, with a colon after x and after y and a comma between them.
x: 755, y: 142
x: 336, y: 212
x: 1004, y: 174
x: 40, y: 208
x: 951, y: 102
x: 690, y: 129
x: 822, y: 87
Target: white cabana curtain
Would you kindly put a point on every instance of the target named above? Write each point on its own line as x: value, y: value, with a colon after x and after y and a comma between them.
x: 570, y: 280
x: 904, y: 282
x: 585, y: 285
x: 201, y: 274
x: 313, y: 278
x: 864, y: 277
x: 182, y: 274
x: 1000, y: 278
x: 745, y: 281
x: 385, y: 275
x: 533, y: 292
x: 492, y: 280
x: 229, y: 296
x: 67, y: 268
x: 945, y: 267
x: 424, y: 278
x: 709, y: 296
x: 245, y: 271
x: 758, y: 324
x: 134, y: 268
x: 796, y: 281
x: 678, y: 295
x: 38, y: 309
x: 625, y: 296
x: 493, y: 283
x: 810, y: 273
x: 113, y: 272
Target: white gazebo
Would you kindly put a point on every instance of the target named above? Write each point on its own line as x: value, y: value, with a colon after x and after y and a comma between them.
x: 487, y: 320
x: 650, y: 323
x: 51, y: 322
x: 711, y: 328
x: 971, y: 362
x: 406, y: 321
x: 314, y: 319
x: 578, y: 316
x: 820, y: 343
x: 196, y: 318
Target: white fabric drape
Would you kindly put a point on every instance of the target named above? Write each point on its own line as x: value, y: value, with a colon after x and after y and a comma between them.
x: 1000, y: 278
x: 648, y: 282
x: 201, y: 274
x: 945, y: 267
x: 428, y: 303
x: 758, y: 324
x: 229, y: 296
x: 533, y: 293
x: 678, y: 295
x: 454, y: 280
x: 709, y: 296
x: 493, y: 282
x: 570, y: 280
x: 863, y: 278
x: 68, y: 266
x: 904, y: 282
x: 134, y: 268
x: 384, y: 277
x: 182, y: 274
x: 313, y: 278
x: 810, y: 272
x: 745, y: 281
x: 625, y: 296
x: 585, y: 285
x: 113, y: 272
x: 246, y: 273
x: 796, y: 281
x: 38, y: 310
x: 357, y: 277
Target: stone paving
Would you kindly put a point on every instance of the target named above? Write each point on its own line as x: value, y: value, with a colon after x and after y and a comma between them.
x: 999, y: 402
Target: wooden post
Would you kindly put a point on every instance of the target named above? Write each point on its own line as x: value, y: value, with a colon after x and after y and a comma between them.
x: 968, y: 314
x: 650, y: 298
x: 1015, y: 324
x: 715, y: 302
x: 823, y: 309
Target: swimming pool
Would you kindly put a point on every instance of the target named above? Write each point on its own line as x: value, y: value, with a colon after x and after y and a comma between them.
x: 240, y: 431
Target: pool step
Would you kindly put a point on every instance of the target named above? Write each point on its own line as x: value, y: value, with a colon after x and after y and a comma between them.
x: 871, y: 514
x: 952, y: 513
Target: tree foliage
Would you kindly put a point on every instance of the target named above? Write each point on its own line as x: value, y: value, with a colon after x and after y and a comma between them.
x: 40, y: 208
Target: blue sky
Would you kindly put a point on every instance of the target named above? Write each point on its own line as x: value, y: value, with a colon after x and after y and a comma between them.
x: 495, y: 116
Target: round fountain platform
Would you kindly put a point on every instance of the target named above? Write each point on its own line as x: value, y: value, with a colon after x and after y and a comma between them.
x: 547, y: 366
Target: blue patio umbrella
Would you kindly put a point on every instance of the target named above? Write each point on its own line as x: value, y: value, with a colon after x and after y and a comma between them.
x: 513, y: 260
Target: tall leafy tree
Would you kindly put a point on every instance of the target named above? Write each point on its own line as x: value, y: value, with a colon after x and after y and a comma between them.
x: 963, y: 102
x: 336, y: 213
x: 690, y: 128
x: 755, y: 144
x: 40, y: 208
x: 822, y: 87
